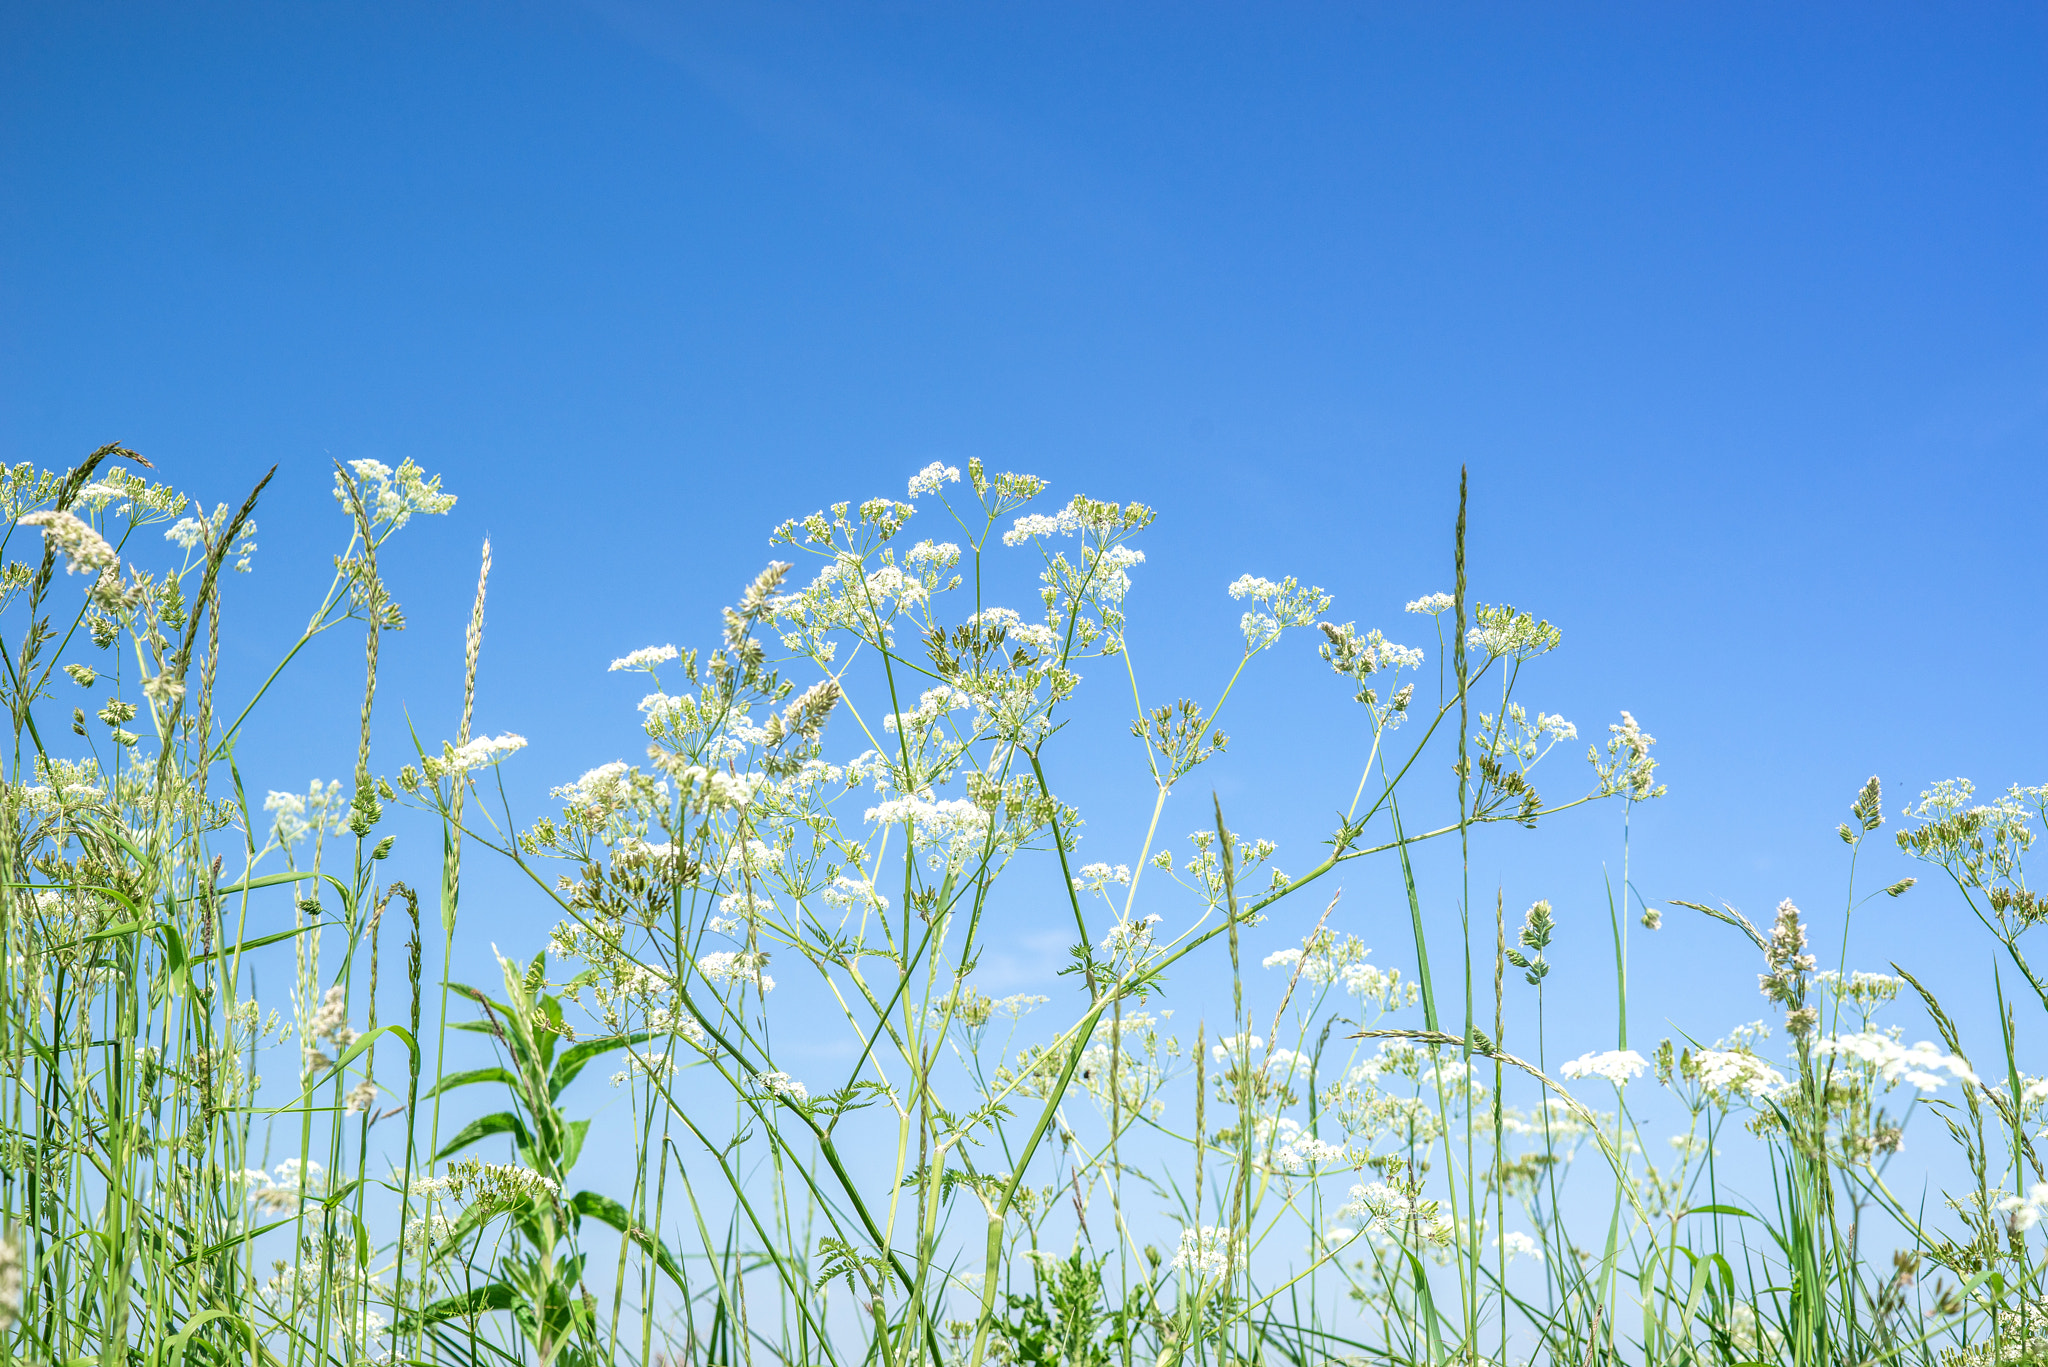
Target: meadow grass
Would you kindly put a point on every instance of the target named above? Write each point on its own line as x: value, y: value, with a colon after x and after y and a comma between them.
x: 1356, y: 1162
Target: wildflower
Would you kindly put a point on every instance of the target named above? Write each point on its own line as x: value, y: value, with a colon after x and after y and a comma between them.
x: 1615, y: 1065
x: 1431, y: 604
x: 391, y: 497
x: 1519, y: 1245
x: 1734, y: 1072
x: 186, y: 532
x: 1276, y: 607
x: 360, y: 1099
x: 492, y: 1185
x: 1391, y: 1211
x: 1032, y: 526
x: 83, y: 548
x: 1894, y: 1062
x: 1628, y: 769
x: 1504, y: 632
x: 1130, y: 936
x: 1236, y: 1046
x: 730, y: 966
x: 783, y: 1085
x: 480, y: 753
x: 1097, y: 877
x: 647, y: 657
x: 930, y: 479
x: 2022, y: 1213
x: 1208, y: 1251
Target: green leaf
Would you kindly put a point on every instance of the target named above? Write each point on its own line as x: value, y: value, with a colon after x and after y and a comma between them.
x: 503, y: 1122
x: 477, y: 1300
x: 454, y: 1080
x: 572, y: 1142
x: 572, y: 1061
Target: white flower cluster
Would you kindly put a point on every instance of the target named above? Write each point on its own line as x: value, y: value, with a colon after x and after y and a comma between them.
x: 1098, y: 877
x: 931, y: 705
x: 1275, y: 608
x: 647, y: 657
x: 295, y: 817
x: 390, y: 496
x: 1295, y: 1152
x: 1130, y: 937
x: 1736, y: 1073
x: 1431, y: 604
x: 84, y: 550
x: 783, y: 1085
x: 737, y: 966
x: 480, y: 753
x: 932, y: 478
x: 1519, y: 1245
x: 849, y: 892
x: 1392, y: 1212
x: 488, y: 1184
x: 279, y: 1191
x: 329, y: 1023
x: 1031, y: 526
x: 1615, y: 1065
x: 2022, y: 1213
x: 1209, y: 1251
x: 1921, y: 1064
x: 1014, y: 628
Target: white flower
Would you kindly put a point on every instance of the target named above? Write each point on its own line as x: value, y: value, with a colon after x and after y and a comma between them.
x: 2024, y: 1212
x: 1232, y: 1046
x: 1097, y: 877
x: 932, y: 554
x: 1519, y: 1245
x: 83, y: 548
x: 1737, y: 1072
x: 1616, y: 1065
x: 1014, y: 628
x: 929, y: 479
x: 1030, y: 526
x: 782, y: 1084
x: 647, y: 657
x: 1130, y: 936
x: 186, y: 532
x: 1895, y: 1062
x: 480, y: 753
x: 1209, y: 1251
x: 729, y: 966
x: 1433, y: 603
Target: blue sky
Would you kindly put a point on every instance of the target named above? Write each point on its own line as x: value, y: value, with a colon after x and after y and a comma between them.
x: 1737, y: 314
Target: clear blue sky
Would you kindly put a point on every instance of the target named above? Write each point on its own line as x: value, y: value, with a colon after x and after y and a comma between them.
x: 1738, y: 314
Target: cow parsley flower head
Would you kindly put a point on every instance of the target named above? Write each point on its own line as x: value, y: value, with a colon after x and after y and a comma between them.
x: 934, y: 476
x: 84, y: 550
x: 1098, y: 877
x: 1920, y: 1065
x: 1431, y: 604
x: 480, y: 753
x: 782, y: 1084
x: 1615, y: 1065
x: 647, y: 657
x: 2022, y: 1213
x: 1209, y: 1251
x: 390, y: 497
x: 1275, y: 608
x: 1733, y: 1073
